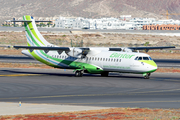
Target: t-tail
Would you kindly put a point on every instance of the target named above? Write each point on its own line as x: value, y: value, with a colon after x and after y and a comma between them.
x: 34, y: 37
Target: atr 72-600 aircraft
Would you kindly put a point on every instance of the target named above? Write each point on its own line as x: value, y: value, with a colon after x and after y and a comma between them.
x: 87, y: 59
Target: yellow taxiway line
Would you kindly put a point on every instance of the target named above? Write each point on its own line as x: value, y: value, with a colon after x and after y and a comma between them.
x: 16, y: 75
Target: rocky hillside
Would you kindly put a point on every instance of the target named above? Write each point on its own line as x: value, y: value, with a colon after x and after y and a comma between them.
x: 88, y: 8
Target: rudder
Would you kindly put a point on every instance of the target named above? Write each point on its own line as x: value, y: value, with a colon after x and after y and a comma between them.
x: 34, y: 37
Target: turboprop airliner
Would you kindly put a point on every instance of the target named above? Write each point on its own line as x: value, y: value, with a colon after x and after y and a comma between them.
x: 93, y: 60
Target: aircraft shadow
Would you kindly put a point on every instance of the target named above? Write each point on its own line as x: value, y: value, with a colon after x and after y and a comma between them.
x: 112, y: 75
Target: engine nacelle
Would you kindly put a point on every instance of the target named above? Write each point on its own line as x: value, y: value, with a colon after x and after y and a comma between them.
x: 126, y: 50
x: 75, y: 52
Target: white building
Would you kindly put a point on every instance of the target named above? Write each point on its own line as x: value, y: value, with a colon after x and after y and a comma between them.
x: 109, y: 23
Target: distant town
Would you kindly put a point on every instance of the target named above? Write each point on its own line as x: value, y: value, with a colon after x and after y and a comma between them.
x: 124, y: 22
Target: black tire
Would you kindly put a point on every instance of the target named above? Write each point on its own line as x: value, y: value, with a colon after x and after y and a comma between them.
x: 146, y: 76
x: 104, y: 74
x: 78, y: 74
x: 81, y: 73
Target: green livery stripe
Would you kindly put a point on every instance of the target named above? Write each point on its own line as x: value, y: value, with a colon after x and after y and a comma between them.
x: 29, y: 33
x: 30, y: 24
x: 150, y: 62
x: 75, y: 65
x: 152, y: 71
x: 28, y: 44
x: 41, y: 59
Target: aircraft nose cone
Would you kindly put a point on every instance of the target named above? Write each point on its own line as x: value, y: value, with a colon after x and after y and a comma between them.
x: 154, y: 66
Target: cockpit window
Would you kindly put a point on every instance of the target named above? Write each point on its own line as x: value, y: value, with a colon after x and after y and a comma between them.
x: 145, y: 58
x: 136, y: 58
x: 140, y: 58
x: 150, y: 58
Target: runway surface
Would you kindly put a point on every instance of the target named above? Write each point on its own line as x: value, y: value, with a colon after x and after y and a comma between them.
x: 23, y: 59
x: 61, y: 87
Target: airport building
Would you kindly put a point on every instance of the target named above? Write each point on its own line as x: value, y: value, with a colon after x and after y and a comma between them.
x: 19, y: 24
x: 124, y: 22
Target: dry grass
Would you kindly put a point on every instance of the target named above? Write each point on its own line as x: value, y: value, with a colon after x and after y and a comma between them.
x: 20, y: 65
x: 164, y: 55
x: 95, y: 39
x: 104, y: 114
x: 10, y: 51
x: 168, y: 70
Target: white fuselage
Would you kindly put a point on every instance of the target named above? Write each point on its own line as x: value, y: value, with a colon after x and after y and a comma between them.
x: 107, y: 61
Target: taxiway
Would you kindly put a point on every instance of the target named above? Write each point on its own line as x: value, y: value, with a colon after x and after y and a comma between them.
x: 60, y: 87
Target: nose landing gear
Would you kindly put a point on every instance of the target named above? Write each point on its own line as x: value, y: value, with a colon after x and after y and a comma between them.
x: 146, y: 75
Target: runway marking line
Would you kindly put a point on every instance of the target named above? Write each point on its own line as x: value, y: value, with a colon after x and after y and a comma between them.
x: 16, y: 75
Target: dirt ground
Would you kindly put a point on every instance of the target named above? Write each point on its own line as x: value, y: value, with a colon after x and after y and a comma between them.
x: 93, y: 39
x: 104, y: 114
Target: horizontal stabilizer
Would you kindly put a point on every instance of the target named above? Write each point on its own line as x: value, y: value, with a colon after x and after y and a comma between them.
x: 25, y: 21
x: 43, y: 48
x: 18, y: 20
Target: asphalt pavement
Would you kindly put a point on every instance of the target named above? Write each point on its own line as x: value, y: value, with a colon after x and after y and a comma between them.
x: 61, y: 87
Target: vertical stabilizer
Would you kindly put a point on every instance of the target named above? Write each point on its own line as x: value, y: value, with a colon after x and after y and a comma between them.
x: 34, y: 37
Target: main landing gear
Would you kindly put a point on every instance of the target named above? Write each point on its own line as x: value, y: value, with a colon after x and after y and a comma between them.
x: 104, y: 74
x: 79, y: 73
x: 146, y: 75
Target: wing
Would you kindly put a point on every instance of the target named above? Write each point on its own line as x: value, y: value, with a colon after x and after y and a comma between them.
x: 149, y: 48
x: 82, y: 52
x: 74, y: 52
